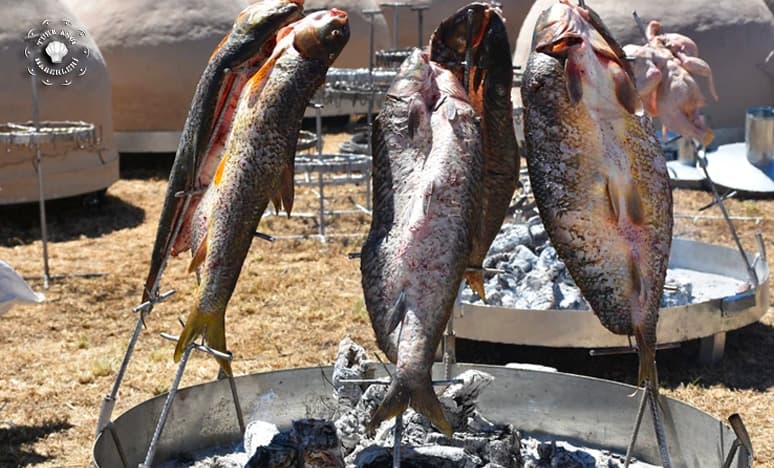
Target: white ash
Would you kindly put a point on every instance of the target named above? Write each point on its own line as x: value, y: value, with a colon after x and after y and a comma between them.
x: 341, y: 438
x: 533, y: 277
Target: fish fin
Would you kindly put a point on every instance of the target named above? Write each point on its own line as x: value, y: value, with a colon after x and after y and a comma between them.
x: 625, y: 91
x: 287, y: 189
x: 634, y: 208
x: 425, y: 401
x: 415, y: 110
x: 259, y: 79
x: 396, y: 313
x: 475, y: 280
x: 395, y: 402
x: 421, y: 397
x: 276, y: 200
x: 449, y: 111
x: 647, y: 355
x: 613, y: 191
x: 638, y: 281
x: 221, y: 167
x: 199, y: 255
x: 574, y: 78
x: 212, y: 326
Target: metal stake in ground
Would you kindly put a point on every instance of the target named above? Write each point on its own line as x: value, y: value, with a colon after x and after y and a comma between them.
x: 39, y: 170
x: 109, y: 402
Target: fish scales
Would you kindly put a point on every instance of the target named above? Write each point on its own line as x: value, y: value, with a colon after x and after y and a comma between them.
x: 490, y: 77
x: 602, y: 189
x: 425, y: 204
x: 259, y: 150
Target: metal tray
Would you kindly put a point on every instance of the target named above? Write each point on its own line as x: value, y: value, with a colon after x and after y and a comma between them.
x: 575, y: 408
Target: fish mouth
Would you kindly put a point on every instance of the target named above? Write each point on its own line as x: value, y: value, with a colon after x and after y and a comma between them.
x: 466, y: 28
x: 322, y: 35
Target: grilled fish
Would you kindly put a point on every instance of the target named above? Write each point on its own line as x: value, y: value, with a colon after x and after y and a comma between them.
x: 598, y: 173
x: 257, y: 164
x: 427, y: 181
x: 238, y: 56
x: 489, y: 82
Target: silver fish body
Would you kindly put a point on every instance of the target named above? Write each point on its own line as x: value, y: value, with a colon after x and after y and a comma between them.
x: 427, y: 178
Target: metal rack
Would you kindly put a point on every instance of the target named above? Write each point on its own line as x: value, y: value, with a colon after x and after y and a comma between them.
x: 34, y: 133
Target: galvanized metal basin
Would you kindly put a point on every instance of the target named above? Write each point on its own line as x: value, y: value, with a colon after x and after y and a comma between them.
x: 582, y: 329
x: 594, y: 412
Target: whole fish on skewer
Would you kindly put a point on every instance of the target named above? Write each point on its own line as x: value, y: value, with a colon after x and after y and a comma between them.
x: 427, y: 180
x: 238, y: 56
x: 479, y: 29
x: 257, y: 166
x: 598, y: 174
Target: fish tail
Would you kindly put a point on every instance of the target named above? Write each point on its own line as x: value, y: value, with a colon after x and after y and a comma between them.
x: 648, y: 373
x: 212, y: 326
x: 422, y: 398
x: 475, y: 280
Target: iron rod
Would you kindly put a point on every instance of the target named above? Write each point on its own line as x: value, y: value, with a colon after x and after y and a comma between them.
x: 119, y: 446
x: 398, y: 435
x: 658, y: 425
x: 636, y: 429
x: 321, y: 183
x: 640, y: 25
x: 750, y: 271
x: 167, y: 406
x: 41, y: 190
x: 237, y: 405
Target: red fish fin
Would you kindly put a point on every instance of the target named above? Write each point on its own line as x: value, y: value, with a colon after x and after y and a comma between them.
x: 199, y: 255
x: 212, y: 326
x: 625, y: 91
x: 287, y: 189
x: 652, y: 103
x: 574, y: 77
x: 219, y: 171
x: 258, y: 81
x: 475, y: 280
x: 638, y: 281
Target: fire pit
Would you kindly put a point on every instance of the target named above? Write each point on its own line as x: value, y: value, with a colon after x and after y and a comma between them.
x: 583, y: 411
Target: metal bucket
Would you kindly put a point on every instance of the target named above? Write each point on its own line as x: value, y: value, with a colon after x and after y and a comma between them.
x: 759, y: 135
x: 593, y: 412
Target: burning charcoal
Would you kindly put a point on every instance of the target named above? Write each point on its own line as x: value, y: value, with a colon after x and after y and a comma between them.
x: 511, y: 236
x: 351, y: 424
x: 562, y: 458
x: 258, y: 434
x: 310, y: 443
x: 350, y: 364
x: 417, y: 457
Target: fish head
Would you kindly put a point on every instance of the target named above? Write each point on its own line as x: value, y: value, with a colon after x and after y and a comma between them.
x: 476, y: 35
x: 466, y: 28
x: 565, y: 26
x: 320, y: 36
x: 254, y: 25
x: 577, y: 36
x: 413, y: 77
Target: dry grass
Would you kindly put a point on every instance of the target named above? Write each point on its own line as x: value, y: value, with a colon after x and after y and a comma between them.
x: 295, y: 301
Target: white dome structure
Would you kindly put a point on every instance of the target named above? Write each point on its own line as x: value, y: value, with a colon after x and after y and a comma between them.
x: 735, y: 38
x: 156, y: 51
x: 45, y: 38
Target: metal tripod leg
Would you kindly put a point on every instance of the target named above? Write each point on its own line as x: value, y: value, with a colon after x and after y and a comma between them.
x: 650, y: 397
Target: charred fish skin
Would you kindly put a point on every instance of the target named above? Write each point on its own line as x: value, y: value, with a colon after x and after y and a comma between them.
x: 599, y: 178
x: 419, y: 242
x: 259, y: 150
x: 490, y: 79
x: 229, y: 67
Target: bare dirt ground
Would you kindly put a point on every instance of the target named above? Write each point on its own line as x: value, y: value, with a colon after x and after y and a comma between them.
x: 296, y: 299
